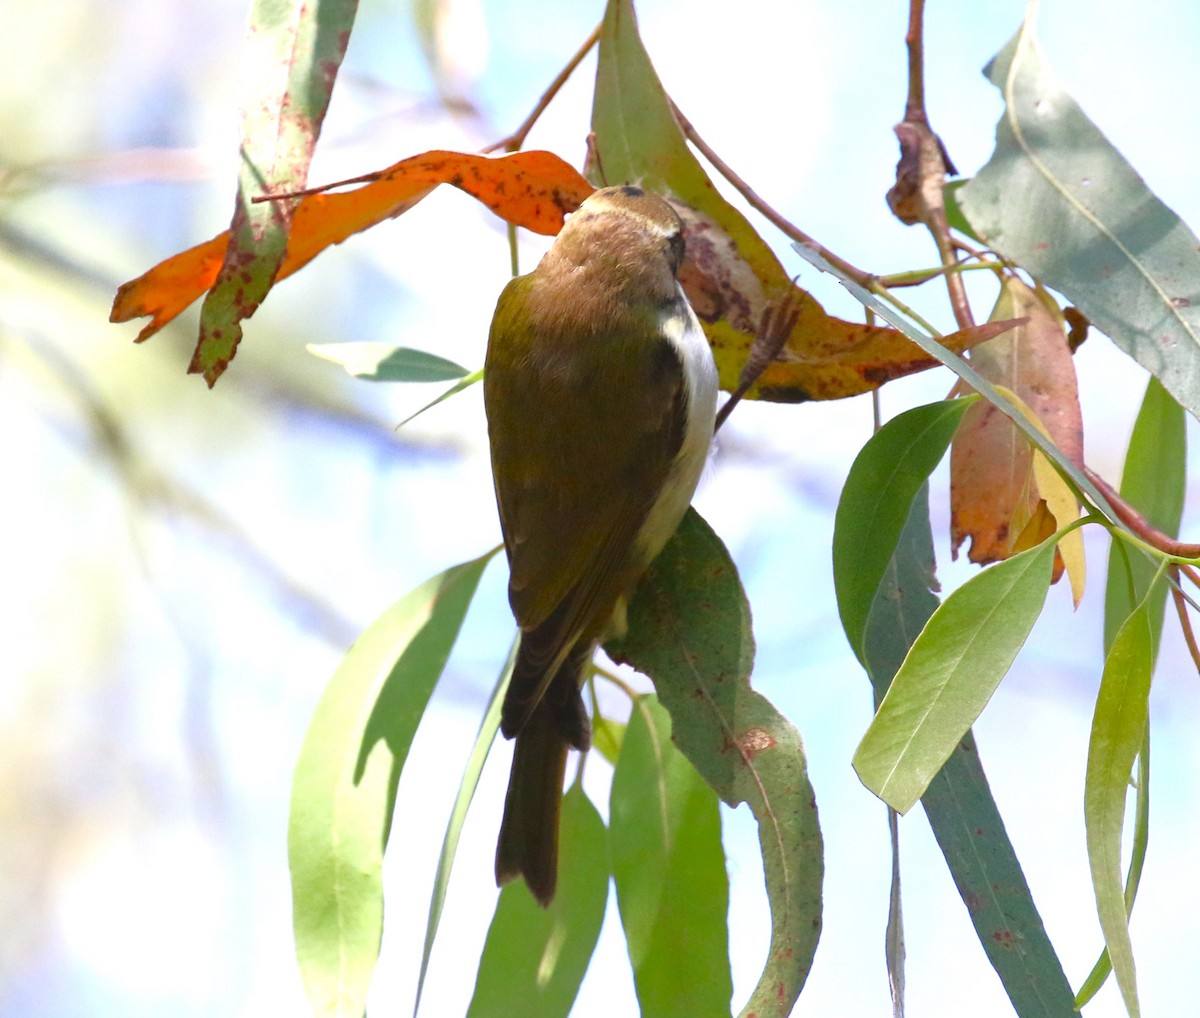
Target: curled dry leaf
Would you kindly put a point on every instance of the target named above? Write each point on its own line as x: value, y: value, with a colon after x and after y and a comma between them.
x: 994, y: 494
x: 531, y: 189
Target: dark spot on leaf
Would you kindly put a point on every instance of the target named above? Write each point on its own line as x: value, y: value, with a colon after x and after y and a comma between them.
x: 773, y: 394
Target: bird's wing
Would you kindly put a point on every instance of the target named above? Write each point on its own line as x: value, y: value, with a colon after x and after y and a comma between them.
x: 572, y: 500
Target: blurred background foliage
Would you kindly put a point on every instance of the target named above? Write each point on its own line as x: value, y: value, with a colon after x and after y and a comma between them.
x: 181, y: 570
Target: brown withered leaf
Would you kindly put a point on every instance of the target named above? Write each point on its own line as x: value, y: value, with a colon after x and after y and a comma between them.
x: 994, y: 494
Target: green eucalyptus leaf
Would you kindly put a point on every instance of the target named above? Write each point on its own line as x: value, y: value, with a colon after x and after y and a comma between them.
x: 879, y: 491
x: 949, y: 675
x: 344, y: 787
x: 1154, y: 482
x: 534, y: 958
x: 1118, y: 730
x: 669, y: 870
x: 1059, y: 200
x: 689, y: 630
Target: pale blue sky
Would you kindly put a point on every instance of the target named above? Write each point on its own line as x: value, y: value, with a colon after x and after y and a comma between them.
x: 159, y: 680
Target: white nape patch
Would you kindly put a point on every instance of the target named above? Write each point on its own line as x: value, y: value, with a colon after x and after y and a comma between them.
x: 683, y: 332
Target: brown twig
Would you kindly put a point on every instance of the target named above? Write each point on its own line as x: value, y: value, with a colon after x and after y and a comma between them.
x: 1185, y: 620
x: 515, y: 140
x: 1142, y: 527
x: 864, y: 279
x: 916, y: 197
x: 914, y: 109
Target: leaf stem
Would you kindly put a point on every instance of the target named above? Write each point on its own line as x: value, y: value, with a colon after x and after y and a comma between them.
x: 1140, y: 526
x: 616, y: 680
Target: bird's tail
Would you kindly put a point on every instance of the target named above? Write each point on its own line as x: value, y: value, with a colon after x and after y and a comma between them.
x: 528, y: 843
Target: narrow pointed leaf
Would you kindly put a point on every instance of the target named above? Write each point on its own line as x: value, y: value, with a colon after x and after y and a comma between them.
x: 669, y: 870
x: 1133, y: 876
x: 535, y: 958
x: 460, y: 386
x: 345, y: 783
x: 950, y: 673
x: 689, y: 630
x: 486, y: 737
x: 1118, y: 728
x: 876, y: 498
x: 1058, y: 199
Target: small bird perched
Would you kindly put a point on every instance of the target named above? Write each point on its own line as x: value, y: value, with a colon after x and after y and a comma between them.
x: 600, y: 391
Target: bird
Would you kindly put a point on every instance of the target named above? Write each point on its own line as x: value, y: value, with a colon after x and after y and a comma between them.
x: 600, y: 393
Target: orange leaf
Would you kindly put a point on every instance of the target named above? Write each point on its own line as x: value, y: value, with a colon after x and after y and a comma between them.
x: 530, y: 189
x: 993, y: 492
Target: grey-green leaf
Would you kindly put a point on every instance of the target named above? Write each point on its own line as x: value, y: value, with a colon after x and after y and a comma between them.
x: 345, y: 782
x: 1058, y: 199
x: 689, y: 630
x: 535, y: 958
x: 669, y: 871
x: 879, y: 491
x: 382, y: 362
x: 949, y: 675
x: 293, y: 54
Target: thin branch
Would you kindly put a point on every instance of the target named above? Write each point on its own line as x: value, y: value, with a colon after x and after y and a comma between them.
x: 917, y: 197
x: 915, y: 38
x: 1185, y: 621
x: 864, y: 279
x: 515, y: 140
x: 1138, y: 523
